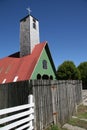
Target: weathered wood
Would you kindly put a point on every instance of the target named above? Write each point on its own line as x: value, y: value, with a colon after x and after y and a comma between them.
x: 43, y: 104
x: 13, y: 94
x: 55, y: 101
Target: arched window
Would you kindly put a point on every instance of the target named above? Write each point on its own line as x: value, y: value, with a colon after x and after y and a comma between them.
x: 44, y: 64
x: 51, y: 77
x: 45, y: 77
x: 38, y: 76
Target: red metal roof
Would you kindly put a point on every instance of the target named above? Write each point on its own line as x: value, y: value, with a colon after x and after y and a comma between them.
x: 12, y: 68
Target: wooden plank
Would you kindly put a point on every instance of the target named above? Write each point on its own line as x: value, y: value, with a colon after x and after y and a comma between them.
x: 7, y: 91
x: 17, y: 123
x: 16, y: 116
x: 23, y: 127
x: 43, y: 104
x: 14, y: 109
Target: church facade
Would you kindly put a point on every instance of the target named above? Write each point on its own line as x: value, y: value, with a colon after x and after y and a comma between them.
x: 34, y: 61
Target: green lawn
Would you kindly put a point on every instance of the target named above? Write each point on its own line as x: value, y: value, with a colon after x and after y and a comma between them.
x: 78, y: 122
x: 55, y: 127
x: 81, y: 114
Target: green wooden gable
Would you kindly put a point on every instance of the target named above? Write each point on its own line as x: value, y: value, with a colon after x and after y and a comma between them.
x: 44, y: 68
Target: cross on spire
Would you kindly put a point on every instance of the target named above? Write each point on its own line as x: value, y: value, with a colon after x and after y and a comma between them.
x: 29, y: 10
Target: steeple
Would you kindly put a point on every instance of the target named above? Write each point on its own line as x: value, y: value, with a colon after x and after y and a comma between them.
x: 29, y: 35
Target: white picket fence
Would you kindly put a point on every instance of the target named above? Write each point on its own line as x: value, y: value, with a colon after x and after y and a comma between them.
x: 22, y: 117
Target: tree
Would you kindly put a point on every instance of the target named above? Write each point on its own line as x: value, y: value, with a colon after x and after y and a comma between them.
x: 67, y: 71
x: 83, y: 70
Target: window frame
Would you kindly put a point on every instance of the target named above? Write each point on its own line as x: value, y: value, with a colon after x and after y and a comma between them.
x: 44, y: 64
x: 34, y: 23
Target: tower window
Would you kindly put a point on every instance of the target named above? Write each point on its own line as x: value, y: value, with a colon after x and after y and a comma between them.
x: 34, y: 23
x: 44, y: 64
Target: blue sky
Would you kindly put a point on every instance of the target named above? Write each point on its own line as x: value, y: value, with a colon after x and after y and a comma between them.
x: 63, y: 23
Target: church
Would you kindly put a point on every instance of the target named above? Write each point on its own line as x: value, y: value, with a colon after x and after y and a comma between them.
x: 34, y: 61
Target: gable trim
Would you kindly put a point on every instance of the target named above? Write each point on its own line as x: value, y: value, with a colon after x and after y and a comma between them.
x: 38, y: 60
x: 50, y: 58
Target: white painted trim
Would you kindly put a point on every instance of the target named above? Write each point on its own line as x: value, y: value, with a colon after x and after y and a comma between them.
x: 3, y: 81
x: 18, y: 118
x: 38, y: 60
x: 15, y: 79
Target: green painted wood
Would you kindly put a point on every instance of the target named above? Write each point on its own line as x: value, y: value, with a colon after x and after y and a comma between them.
x: 39, y: 67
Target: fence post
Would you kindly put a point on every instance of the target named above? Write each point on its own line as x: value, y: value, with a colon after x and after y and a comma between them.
x: 30, y: 101
x: 54, y: 97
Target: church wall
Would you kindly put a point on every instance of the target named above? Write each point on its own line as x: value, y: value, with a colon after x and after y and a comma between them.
x: 39, y: 67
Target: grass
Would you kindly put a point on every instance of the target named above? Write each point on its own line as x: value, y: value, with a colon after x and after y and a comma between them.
x: 78, y: 122
x: 55, y: 127
x: 81, y: 113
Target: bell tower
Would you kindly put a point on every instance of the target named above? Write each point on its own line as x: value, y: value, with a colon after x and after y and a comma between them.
x: 29, y: 35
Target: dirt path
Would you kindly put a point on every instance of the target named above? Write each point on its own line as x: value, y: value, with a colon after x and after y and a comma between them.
x: 70, y: 127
